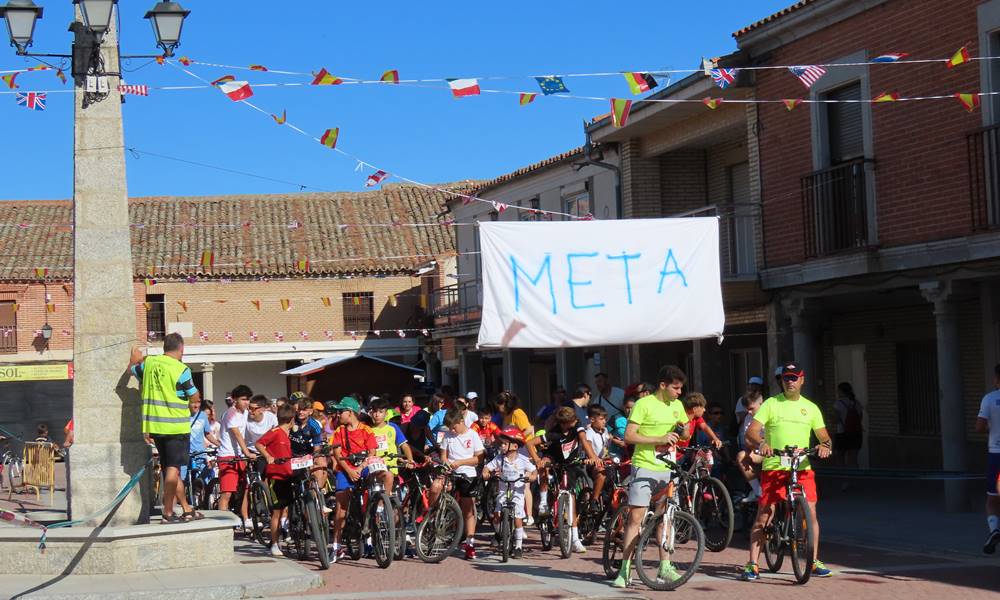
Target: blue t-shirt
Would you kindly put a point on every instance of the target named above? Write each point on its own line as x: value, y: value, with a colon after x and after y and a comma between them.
x: 617, y: 429
x: 400, y: 437
x: 305, y: 437
x: 199, y: 425
x: 437, y: 420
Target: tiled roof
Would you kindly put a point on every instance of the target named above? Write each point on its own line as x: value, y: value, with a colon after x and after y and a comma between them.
x: 781, y: 13
x: 548, y: 162
x: 249, y: 235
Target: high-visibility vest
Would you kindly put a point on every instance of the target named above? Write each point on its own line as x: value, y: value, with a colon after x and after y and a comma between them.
x: 163, y: 413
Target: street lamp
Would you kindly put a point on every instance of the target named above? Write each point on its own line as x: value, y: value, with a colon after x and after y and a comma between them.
x: 96, y: 15
x: 21, y: 16
x: 167, y: 19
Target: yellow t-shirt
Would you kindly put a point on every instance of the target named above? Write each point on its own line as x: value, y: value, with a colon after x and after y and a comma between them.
x: 518, y: 419
x: 656, y: 416
x: 788, y: 423
x: 385, y: 438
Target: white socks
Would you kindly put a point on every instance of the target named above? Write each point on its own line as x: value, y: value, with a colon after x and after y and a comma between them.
x: 543, y: 498
x: 755, y: 486
x: 471, y: 542
x: 576, y: 534
x: 994, y: 522
x: 518, y: 537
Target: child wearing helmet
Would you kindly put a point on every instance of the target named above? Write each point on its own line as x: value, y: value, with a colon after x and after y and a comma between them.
x: 510, y: 466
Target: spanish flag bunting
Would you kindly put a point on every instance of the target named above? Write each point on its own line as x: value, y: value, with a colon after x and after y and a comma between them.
x: 302, y: 264
x: 9, y: 80
x: 160, y: 60
x: 969, y: 101
x: 393, y: 301
x: 356, y: 300
x: 886, y: 97
x: 61, y: 76
x: 639, y: 82
x: 50, y: 307
x: 41, y: 272
x: 324, y: 78
x: 256, y: 304
x: 223, y: 79
x: 183, y: 304
x: 15, y: 306
x: 329, y: 138
x: 423, y: 301
x: 258, y: 68
x: 207, y: 259
x: 39, y: 68
x: 286, y: 304
x: 184, y: 61
x: 149, y: 282
x: 390, y: 76
x: 620, y: 110
x: 527, y: 98
x: 712, y: 103
x: 280, y: 120
x: 148, y: 305
x: 326, y: 301
x: 791, y: 103
x: 962, y: 56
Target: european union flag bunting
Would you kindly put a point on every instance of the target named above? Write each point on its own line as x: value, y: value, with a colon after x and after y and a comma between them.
x: 552, y: 85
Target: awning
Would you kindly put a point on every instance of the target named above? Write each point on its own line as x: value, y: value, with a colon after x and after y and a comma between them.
x: 319, y: 365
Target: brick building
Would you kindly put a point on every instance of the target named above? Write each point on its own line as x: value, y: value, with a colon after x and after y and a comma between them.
x: 255, y: 284
x: 880, y: 247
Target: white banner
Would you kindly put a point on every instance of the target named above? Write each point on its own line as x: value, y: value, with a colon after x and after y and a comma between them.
x: 592, y: 283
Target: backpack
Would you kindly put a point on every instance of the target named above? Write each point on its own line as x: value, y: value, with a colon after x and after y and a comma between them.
x: 852, y: 420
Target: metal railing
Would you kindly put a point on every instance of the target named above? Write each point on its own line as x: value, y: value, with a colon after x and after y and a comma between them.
x: 738, y: 241
x: 983, y: 147
x: 8, y: 339
x: 458, y: 302
x: 835, y: 208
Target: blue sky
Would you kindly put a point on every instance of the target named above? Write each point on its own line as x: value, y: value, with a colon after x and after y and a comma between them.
x: 423, y: 134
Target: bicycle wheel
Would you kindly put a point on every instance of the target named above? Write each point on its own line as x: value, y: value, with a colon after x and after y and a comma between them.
x: 614, y: 542
x: 565, y: 522
x: 801, y: 540
x: 297, y: 529
x: 589, y: 521
x: 668, y: 565
x: 505, y: 538
x: 715, y: 512
x: 545, y: 532
x: 318, y: 529
x: 774, y: 544
x: 383, y: 529
x: 440, y: 531
x: 260, y: 512
x: 401, y: 520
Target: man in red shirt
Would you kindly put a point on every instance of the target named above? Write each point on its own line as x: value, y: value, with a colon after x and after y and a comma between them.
x: 352, y: 437
x: 275, y: 445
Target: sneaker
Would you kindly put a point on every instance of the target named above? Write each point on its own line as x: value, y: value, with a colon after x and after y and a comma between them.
x: 530, y: 521
x: 470, y: 551
x: 276, y: 551
x: 820, y: 570
x: 620, y: 582
x: 517, y: 553
x: 991, y: 542
x: 750, y: 572
x: 326, y: 510
x: 751, y: 497
x: 667, y: 572
x: 578, y: 547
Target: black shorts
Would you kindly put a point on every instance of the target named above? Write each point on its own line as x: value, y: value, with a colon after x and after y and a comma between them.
x: 281, y: 492
x: 174, y: 450
x: 468, y: 488
x: 574, y: 474
x: 847, y: 441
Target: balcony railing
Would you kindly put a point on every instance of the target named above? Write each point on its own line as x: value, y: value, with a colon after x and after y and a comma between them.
x: 738, y: 240
x: 835, y: 208
x: 457, y: 303
x: 8, y: 339
x: 983, y: 147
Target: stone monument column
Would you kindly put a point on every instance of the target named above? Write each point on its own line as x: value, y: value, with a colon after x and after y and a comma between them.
x: 109, y: 446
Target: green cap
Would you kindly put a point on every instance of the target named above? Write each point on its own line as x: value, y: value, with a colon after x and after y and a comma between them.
x: 348, y: 403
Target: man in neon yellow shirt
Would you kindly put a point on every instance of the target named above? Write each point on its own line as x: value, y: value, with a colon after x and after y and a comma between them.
x: 788, y: 419
x: 652, y: 427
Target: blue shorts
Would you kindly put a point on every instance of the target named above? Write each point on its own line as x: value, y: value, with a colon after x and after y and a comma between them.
x: 992, y: 473
x: 344, y: 484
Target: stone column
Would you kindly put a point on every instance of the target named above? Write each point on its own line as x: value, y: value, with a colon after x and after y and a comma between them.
x: 803, y: 341
x: 629, y: 364
x: 697, y: 382
x: 517, y: 376
x: 109, y: 445
x: 949, y: 390
x: 569, y: 368
x: 207, y: 387
x: 470, y: 372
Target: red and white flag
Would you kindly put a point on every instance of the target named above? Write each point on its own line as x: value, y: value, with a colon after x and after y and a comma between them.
x: 279, y: 336
x: 133, y: 90
x: 464, y: 87
x: 304, y: 334
x: 236, y: 90
x: 253, y: 336
x: 377, y: 333
x: 203, y: 335
x: 328, y: 334
x: 401, y: 333
x: 354, y: 335
x: 229, y: 336
x: 376, y: 178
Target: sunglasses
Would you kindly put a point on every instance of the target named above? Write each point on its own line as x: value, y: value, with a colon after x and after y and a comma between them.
x: 790, y: 377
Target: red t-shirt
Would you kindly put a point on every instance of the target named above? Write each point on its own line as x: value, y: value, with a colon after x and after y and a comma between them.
x: 486, y: 433
x: 352, y: 442
x: 693, y: 425
x: 278, y: 445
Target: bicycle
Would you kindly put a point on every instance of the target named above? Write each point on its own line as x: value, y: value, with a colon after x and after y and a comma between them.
x: 505, y: 525
x: 559, y: 522
x: 707, y: 499
x: 617, y: 508
x: 12, y: 470
x: 236, y: 500
x: 370, y: 513
x: 306, y: 525
x: 202, y: 481
x: 666, y: 531
x: 791, y: 526
x: 442, y: 525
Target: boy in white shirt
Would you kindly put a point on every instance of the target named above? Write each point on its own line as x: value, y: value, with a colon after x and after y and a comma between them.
x: 462, y: 449
x: 599, y: 438
x: 510, y: 466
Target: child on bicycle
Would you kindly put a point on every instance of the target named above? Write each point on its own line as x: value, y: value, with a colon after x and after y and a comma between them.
x: 352, y: 437
x: 564, y: 444
x: 274, y: 445
x: 600, y: 439
x: 462, y: 450
x: 511, y: 466
x: 390, y: 441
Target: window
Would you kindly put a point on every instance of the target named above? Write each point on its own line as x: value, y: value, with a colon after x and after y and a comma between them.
x: 359, y: 311
x: 844, y: 123
x: 744, y: 364
x: 742, y: 249
x: 528, y: 215
x: 156, y: 324
x: 8, y: 328
x: 578, y: 203
x: 917, y: 388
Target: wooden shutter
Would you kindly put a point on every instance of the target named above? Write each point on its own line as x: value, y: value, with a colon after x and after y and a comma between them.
x: 844, y: 124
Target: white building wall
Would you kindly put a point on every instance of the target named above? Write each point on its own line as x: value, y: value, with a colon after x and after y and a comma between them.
x: 262, y: 377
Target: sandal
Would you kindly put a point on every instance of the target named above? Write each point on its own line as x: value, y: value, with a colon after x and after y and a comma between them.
x: 192, y: 515
x: 171, y: 520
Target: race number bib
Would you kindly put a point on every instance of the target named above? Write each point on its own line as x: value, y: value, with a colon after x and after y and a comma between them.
x: 383, y: 443
x: 302, y: 462
x: 786, y: 462
x: 376, y: 466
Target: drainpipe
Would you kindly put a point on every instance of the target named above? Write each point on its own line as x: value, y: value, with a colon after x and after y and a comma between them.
x: 588, y: 159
